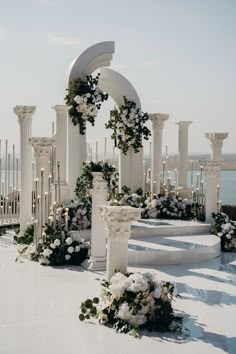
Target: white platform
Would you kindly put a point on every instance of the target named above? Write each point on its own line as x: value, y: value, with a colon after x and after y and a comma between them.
x: 39, y: 309
x: 171, y: 242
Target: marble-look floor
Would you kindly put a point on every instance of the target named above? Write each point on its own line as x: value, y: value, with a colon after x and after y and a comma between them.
x: 39, y: 309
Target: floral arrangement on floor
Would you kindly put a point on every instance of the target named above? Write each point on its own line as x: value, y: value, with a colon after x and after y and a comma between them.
x: 226, y: 230
x: 161, y: 206
x: 128, y: 126
x: 133, y: 302
x: 84, y: 99
x: 55, y: 248
x: 84, y: 182
x: 79, y: 214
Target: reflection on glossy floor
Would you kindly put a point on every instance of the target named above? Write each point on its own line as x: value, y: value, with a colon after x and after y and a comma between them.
x: 39, y: 309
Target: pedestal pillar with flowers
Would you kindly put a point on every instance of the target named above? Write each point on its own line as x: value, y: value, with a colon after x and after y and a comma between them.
x: 158, y: 121
x: 118, y: 221
x: 98, y: 235
x: 25, y: 114
x: 212, y: 205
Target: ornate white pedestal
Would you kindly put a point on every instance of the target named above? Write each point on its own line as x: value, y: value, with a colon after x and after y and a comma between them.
x: 98, y: 234
x: 118, y: 221
x: 216, y: 141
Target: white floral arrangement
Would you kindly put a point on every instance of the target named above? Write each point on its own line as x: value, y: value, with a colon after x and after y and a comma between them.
x: 132, y: 302
x: 128, y: 125
x: 226, y: 230
x: 84, y: 100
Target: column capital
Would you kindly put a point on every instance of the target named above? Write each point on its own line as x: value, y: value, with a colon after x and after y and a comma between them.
x: 60, y: 108
x: 42, y: 144
x: 184, y: 123
x: 216, y: 137
x: 118, y: 220
x: 158, y: 119
x: 24, y: 112
x: 98, y: 182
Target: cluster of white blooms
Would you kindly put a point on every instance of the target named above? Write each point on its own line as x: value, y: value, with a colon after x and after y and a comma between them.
x: 142, y: 307
x: 227, y: 228
x: 87, y: 104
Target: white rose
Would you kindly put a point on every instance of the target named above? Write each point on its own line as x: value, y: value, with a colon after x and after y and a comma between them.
x: 52, y: 245
x: 69, y: 241
x: 57, y: 242
x: 70, y: 249
x: 220, y: 234
x: 77, y: 248
x: 67, y: 257
x: 228, y: 236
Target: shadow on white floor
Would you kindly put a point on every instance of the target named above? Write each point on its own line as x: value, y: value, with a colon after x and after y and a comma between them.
x: 39, y: 309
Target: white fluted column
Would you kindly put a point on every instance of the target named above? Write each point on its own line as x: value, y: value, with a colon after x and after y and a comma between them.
x: 76, y: 154
x: 25, y: 114
x: 158, y: 121
x: 129, y: 164
x: 98, y: 234
x: 212, y: 169
x: 61, y: 149
x: 118, y: 227
x: 183, y: 153
x: 216, y: 142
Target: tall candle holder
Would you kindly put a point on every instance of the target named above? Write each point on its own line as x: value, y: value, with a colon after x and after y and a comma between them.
x: 59, y: 182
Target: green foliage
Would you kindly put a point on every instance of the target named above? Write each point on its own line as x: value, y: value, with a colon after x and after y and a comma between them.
x: 85, y: 181
x: 84, y: 100
x: 27, y: 238
x: 128, y: 126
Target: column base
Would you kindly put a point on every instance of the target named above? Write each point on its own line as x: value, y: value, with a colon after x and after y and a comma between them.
x: 97, y: 263
x: 184, y: 192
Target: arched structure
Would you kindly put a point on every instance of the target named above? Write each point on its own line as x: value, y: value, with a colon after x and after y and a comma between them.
x: 117, y: 86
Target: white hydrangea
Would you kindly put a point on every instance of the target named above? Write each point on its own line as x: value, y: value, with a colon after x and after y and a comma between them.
x: 138, y: 282
x: 67, y: 257
x: 70, y: 249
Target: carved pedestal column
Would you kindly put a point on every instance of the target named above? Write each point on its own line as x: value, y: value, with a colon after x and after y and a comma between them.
x: 158, y: 121
x: 98, y: 234
x: 24, y: 114
x: 118, y: 226
x: 212, y: 171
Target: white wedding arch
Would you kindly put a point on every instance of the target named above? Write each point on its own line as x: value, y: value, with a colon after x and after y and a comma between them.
x: 117, y: 86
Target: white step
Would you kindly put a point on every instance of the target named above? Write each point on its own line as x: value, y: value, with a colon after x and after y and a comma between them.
x: 162, y: 227
x: 150, y: 250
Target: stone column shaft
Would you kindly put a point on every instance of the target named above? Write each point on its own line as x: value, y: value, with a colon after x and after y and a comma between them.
x: 183, y: 153
x: 131, y: 170
x: 25, y: 114
x: 98, y: 235
x: 76, y: 155
x: 212, y: 170
x: 118, y: 226
x: 158, y: 121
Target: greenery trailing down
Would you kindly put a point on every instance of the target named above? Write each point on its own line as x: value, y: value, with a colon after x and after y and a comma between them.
x: 128, y: 126
x: 27, y: 238
x: 133, y: 302
x: 85, y: 181
x: 226, y: 230
x: 84, y: 99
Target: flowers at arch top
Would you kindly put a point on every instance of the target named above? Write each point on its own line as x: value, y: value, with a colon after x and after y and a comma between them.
x: 84, y: 99
x: 128, y: 125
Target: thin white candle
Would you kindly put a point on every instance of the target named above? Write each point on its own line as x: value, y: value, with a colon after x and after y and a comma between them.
x: 59, y: 182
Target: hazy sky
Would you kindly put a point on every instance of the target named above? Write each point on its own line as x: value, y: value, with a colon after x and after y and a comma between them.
x: 180, y: 55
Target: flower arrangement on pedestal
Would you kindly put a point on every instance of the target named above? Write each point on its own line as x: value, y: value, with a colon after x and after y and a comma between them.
x: 226, y: 230
x: 128, y: 125
x: 85, y: 181
x: 132, y: 302
x: 84, y: 99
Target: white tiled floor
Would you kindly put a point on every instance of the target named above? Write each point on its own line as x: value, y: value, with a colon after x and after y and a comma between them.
x: 39, y: 309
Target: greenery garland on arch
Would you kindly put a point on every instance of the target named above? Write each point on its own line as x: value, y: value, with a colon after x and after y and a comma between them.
x: 84, y: 99
x: 128, y: 125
